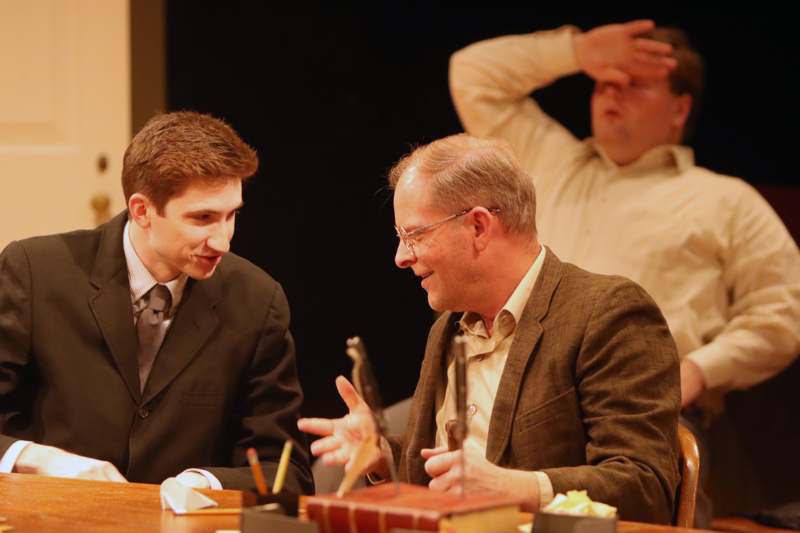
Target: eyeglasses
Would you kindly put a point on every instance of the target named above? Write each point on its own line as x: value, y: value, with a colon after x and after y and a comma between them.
x: 411, y: 238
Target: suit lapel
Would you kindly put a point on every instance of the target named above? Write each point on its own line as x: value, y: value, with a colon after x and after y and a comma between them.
x: 522, y: 351
x: 422, y: 425
x: 111, y: 305
x: 195, y: 321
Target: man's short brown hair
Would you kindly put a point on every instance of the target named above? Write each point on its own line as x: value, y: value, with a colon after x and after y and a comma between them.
x: 175, y: 150
x: 688, y: 76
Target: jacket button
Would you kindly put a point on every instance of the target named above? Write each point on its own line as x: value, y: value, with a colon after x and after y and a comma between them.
x: 144, y: 412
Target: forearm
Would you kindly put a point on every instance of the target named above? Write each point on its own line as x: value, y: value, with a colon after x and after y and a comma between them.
x: 638, y: 492
x: 741, y: 358
x: 491, y: 82
x: 629, y: 390
x: 526, y: 486
x: 510, y: 68
x: 271, y: 408
x: 761, y: 273
x: 15, y: 346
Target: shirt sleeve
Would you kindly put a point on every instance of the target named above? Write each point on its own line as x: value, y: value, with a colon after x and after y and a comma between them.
x: 761, y: 271
x: 9, y: 459
x: 490, y: 83
x: 545, y: 489
x: 213, y: 482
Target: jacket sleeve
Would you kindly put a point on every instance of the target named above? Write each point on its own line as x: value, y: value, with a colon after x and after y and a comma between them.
x: 628, y: 384
x: 270, y: 406
x: 15, y: 341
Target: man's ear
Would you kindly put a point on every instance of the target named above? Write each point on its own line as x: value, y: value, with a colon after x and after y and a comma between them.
x: 141, y: 210
x: 681, y: 109
x: 482, y: 227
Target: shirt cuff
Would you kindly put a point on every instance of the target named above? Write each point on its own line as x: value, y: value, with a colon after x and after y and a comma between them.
x: 386, y: 451
x: 12, y: 454
x: 564, y: 55
x: 375, y: 479
x: 213, y: 482
x: 545, y: 488
x: 715, y: 363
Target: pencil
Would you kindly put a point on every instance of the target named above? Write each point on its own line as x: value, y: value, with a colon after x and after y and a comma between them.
x: 277, y: 485
x: 258, y: 475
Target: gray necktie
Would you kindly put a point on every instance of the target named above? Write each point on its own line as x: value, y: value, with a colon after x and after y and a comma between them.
x: 150, y: 329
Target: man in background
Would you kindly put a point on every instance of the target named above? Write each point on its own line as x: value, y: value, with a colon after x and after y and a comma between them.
x: 630, y: 200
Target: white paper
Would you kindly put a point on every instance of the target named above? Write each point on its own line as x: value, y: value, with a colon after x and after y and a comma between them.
x: 181, y: 499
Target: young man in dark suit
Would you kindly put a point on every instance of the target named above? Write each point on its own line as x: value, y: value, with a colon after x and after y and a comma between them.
x: 143, y: 349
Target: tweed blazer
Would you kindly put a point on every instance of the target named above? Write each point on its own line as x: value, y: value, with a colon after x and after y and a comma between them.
x: 590, y: 394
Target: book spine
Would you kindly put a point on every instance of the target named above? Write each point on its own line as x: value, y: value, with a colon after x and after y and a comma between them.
x: 347, y: 517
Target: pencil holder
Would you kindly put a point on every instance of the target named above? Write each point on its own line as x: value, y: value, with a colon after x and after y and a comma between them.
x: 286, y: 502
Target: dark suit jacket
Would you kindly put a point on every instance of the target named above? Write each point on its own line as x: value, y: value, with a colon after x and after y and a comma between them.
x: 590, y: 394
x: 224, y: 380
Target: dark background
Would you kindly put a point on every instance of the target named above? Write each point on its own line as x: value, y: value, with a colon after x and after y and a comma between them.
x: 330, y: 99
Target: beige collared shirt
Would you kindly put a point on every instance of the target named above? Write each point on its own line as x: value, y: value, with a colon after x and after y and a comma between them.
x: 710, y: 251
x: 486, y: 359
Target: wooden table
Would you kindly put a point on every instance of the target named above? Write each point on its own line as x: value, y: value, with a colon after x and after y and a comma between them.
x: 37, y: 504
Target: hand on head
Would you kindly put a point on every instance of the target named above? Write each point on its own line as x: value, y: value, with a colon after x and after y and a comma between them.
x: 617, y: 53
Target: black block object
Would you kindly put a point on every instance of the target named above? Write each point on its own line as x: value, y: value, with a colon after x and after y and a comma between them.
x: 562, y: 523
x: 287, y: 502
x: 785, y: 517
x: 254, y: 520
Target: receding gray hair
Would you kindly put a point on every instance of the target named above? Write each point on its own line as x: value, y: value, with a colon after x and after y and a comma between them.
x: 466, y: 171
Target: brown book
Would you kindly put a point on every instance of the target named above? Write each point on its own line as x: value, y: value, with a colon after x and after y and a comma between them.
x: 382, y: 507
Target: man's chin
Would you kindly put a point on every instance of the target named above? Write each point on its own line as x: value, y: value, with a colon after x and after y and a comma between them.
x: 608, y: 133
x: 436, y: 304
x: 201, y: 267
x: 199, y: 274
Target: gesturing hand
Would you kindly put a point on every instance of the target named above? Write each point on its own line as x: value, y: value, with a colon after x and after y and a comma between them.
x: 615, y: 53
x: 480, y: 475
x: 341, y: 437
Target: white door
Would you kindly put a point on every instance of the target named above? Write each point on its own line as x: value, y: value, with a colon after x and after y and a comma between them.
x: 64, y: 113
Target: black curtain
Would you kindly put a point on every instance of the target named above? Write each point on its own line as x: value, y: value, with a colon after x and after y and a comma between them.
x: 330, y: 99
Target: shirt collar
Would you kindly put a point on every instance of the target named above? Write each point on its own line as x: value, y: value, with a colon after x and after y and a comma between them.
x: 140, y: 280
x: 665, y: 155
x: 509, y: 315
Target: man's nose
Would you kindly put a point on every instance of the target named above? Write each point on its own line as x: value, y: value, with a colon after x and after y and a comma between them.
x: 220, y: 238
x: 609, y: 88
x: 404, y: 257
